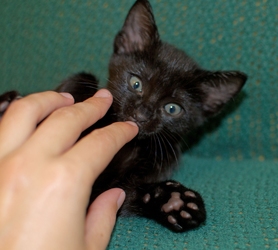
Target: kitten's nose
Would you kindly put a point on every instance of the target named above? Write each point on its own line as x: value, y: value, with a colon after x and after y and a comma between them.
x: 139, y: 116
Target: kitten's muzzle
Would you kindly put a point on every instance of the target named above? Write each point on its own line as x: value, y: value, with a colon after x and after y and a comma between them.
x: 139, y: 123
x: 138, y: 117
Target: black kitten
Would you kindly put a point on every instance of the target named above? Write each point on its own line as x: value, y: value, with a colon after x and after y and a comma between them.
x: 167, y: 94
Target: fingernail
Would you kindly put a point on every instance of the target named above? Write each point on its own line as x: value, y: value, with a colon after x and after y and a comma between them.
x: 121, y: 199
x: 103, y: 93
x: 132, y: 123
x: 3, y: 106
x: 18, y: 97
x: 67, y: 95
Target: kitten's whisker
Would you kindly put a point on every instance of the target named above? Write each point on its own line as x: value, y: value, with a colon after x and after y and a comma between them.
x: 153, y: 141
x: 158, y: 165
x: 174, y: 152
x: 161, y: 151
x: 168, y: 133
x: 178, y: 138
x: 88, y: 84
x: 115, y: 92
x: 165, y: 147
x: 133, y: 150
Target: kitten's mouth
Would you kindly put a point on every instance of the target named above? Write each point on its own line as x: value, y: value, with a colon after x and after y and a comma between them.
x: 143, y: 131
x: 130, y: 118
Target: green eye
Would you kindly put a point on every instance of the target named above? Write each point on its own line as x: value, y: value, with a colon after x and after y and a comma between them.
x: 172, y: 109
x: 136, y: 83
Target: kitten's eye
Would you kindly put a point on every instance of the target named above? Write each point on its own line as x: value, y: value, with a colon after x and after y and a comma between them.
x: 173, y: 109
x: 136, y: 83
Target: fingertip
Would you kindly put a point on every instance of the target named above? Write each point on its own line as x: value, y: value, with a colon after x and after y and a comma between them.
x: 102, y: 97
x: 121, y: 199
x: 124, y: 131
x: 103, y: 93
x: 135, y: 127
x: 67, y: 95
x: 109, y: 197
x: 101, y: 218
x: 132, y: 123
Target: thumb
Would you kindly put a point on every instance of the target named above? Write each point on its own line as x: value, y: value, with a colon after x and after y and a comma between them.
x: 101, y: 218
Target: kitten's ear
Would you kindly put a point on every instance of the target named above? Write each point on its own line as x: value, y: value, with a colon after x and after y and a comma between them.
x: 218, y: 88
x: 139, y: 31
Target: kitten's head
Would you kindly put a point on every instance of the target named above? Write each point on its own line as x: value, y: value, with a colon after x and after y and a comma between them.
x: 158, y: 86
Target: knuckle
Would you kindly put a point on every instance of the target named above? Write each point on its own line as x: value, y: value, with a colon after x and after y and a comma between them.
x: 66, y: 171
x: 72, y: 113
x: 99, y: 106
x: 59, y: 178
x: 63, y: 170
x: 32, y: 104
x: 107, y: 138
x: 21, y: 105
x: 77, y: 111
x: 68, y: 112
x: 95, y: 109
x: 14, y: 173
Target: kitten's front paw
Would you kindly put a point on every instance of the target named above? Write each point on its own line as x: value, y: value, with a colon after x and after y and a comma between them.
x: 6, y: 99
x: 177, y: 207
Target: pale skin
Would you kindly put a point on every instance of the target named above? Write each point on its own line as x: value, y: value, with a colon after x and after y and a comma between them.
x: 46, y: 177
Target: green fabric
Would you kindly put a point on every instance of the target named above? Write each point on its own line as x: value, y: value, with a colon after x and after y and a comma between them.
x: 241, y: 207
x: 234, y: 164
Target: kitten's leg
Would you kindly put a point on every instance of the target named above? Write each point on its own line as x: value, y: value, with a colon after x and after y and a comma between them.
x: 81, y: 86
x: 6, y: 99
x: 172, y: 205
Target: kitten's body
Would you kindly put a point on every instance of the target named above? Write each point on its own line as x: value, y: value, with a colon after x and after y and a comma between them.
x: 167, y: 94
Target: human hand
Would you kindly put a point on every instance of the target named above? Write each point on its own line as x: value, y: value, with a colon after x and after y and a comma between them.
x: 46, y: 178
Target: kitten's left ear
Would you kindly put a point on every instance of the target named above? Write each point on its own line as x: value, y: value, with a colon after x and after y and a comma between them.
x: 139, y: 31
x: 218, y: 88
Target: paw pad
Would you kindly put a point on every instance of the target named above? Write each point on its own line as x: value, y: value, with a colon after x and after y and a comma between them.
x: 174, y: 184
x: 174, y: 203
x: 190, y: 194
x: 185, y: 215
x: 172, y: 220
x: 192, y: 206
x: 146, y: 198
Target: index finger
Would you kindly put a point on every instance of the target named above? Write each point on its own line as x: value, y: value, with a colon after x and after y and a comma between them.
x: 23, y: 116
x: 94, y: 152
x: 64, y: 126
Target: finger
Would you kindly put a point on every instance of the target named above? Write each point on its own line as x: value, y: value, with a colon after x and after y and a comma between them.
x: 101, y: 218
x: 94, y: 152
x: 66, y: 124
x: 22, y: 117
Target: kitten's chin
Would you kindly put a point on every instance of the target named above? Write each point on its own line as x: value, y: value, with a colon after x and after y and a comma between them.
x: 142, y: 135
x: 143, y: 131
